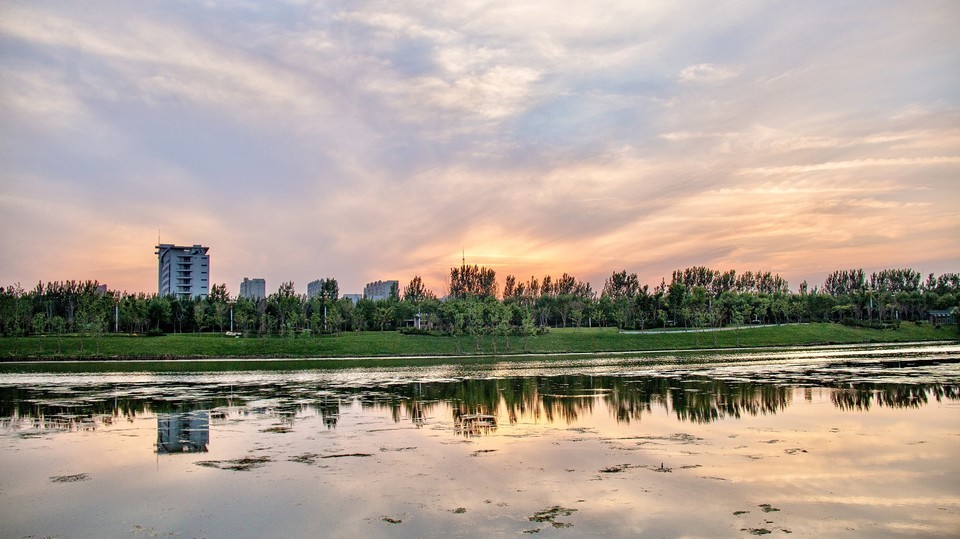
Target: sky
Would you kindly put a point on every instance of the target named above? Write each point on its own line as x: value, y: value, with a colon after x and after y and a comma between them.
x: 365, y: 140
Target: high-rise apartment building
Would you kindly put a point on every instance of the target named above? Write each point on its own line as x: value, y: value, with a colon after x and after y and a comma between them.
x: 378, y: 290
x: 184, y: 271
x: 253, y: 289
x: 323, y: 287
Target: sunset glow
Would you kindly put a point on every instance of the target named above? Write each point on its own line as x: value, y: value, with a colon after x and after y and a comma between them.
x: 379, y: 140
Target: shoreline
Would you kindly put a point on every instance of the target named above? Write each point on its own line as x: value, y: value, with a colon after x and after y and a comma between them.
x: 721, y: 351
x: 510, y: 355
x: 395, y: 346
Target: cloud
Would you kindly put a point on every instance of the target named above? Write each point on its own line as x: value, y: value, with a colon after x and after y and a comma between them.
x: 855, y: 164
x: 365, y: 140
x: 708, y: 73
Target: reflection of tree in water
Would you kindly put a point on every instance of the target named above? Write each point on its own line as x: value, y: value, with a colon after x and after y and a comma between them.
x: 562, y: 398
x: 695, y: 399
x: 549, y: 398
x: 329, y: 409
x: 85, y: 407
x: 706, y: 400
x: 861, y: 396
x: 568, y: 397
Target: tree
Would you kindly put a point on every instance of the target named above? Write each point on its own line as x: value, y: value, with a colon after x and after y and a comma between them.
x: 202, y: 315
x: 676, y: 295
x: 415, y: 292
x: 335, y: 317
x: 347, y: 309
x: 245, y: 314
x: 219, y: 306
x: 285, y: 303
x: 329, y: 290
x: 476, y: 281
x: 577, y: 309
x: 620, y: 285
x: 498, y: 321
x: 38, y: 324
x: 158, y: 311
x: 618, y: 295
x: 509, y: 286
x: 218, y: 294
x: 358, y: 318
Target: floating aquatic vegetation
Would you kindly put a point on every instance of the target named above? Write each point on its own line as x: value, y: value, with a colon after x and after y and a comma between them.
x: 306, y: 458
x: 278, y: 430
x: 69, y: 478
x: 138, y: 529
x: 551, y: 514
x: 240, y: 465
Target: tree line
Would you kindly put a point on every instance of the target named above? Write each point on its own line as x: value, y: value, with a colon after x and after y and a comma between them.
x: 695, y: 297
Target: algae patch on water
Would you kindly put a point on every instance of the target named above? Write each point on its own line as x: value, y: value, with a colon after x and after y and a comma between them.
x: 240, y: 465
x: 69, y: 478
x: 551, y: 514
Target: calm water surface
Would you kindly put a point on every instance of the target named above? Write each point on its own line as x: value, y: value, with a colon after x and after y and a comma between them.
x: 845, y: 441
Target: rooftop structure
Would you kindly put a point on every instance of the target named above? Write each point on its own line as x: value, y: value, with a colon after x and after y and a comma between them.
x: 183, y: 271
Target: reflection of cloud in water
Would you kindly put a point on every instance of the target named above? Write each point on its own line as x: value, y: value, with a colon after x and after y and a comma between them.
x: 881, y: 448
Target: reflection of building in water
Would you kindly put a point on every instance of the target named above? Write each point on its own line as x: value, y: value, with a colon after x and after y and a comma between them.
x: 183, y: 433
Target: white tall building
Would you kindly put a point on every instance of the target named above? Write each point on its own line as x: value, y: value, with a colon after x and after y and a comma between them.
x: 253, y: 288
x: 183, y: 271
x: 315, y: 288
x: 378, y: 290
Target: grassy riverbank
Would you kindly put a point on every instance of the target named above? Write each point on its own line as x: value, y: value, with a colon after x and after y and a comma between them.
x: 379, y: 344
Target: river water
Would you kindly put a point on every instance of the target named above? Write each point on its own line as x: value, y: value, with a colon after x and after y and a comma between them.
x: 833, y: 441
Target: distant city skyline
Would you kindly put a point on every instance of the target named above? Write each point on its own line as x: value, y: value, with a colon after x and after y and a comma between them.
x: 368, y: 140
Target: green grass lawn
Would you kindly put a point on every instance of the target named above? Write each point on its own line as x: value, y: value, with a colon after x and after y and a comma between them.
x: 374, y: 344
